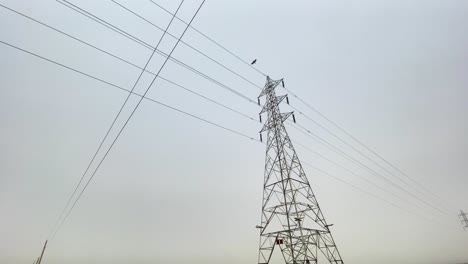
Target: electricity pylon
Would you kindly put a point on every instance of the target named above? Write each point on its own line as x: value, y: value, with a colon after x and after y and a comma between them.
x: 291, y: 217
x: 464, y: 219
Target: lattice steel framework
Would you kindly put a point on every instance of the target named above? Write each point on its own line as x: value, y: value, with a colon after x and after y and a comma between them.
x: 291, y: 217
x: 464, y: 219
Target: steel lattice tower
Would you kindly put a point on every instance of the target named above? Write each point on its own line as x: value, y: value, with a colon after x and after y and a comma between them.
x: 291, y: 217
x: 464, y: 219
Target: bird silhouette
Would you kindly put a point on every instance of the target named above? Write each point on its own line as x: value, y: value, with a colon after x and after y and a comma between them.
x: 253, y: 62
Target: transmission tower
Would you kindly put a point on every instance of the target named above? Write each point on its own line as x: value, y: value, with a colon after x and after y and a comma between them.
x: 291, y: 217
x: 464, y: 219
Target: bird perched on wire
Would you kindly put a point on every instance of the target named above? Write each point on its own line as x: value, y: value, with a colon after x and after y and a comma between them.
x: 253, y: 62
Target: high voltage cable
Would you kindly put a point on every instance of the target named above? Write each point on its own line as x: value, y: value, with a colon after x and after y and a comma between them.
x: 116, y: 117
x: 211, y: 100
x: 305, y: 103
x: 340, y: 152
x: 105, y: 81
x: 170, y: 107
x: 250, y: 138
x: 371, y: 194
x: 108, y: 53
x: 362, y: 144
x: 185, y: 43
x: 308, y: 105
x: 116, y: 57
x: 359, y: 189
x: 148, y: 46
x: 103, y: 51
x: 358, y: 151
x: 126, y: 122
x: 63, y: 65
x: 347, y: 156
x: 357, y: 175
x: 126, y: 60
x: 137, y: 94
x: 319, y: 114
x: 428, y: 191
x: 80, y: 72
x: 327, y: 130
x: 347, y: 170
x: 210, y: 39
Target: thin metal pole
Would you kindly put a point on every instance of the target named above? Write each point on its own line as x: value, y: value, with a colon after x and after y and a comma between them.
x: 42, y: 254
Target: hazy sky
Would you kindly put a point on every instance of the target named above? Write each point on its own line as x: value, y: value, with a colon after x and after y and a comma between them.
x: 176, y: 190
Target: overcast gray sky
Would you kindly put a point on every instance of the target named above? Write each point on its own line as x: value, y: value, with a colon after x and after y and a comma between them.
x: 177, y: 190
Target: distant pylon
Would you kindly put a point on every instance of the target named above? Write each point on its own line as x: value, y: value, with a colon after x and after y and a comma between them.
x: 291, y: 217
x: 464, y: 219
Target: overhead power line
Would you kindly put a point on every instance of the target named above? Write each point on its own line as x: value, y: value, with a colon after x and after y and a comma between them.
x: 361, y: 189
x: 128, y: 91
x: 309, y: 106
x: 327, y: 130
x: 315, y: 110
x: 134, y: 65
x: 126, y: 122
x: 361, y: 153
x: 186, y: 44
x: 347, y: 156
x: 165, y: 105
x: 357, y: 175
x: 94, y: 77
x: 140, y: 68
x: 364, y: 145
x: 148, y: 46
x: 438, y: 199
x: 350, y: 171
x: 115, y: 119
x: 106, y: 52
x: 210, y: 39
x: 374, y: 196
